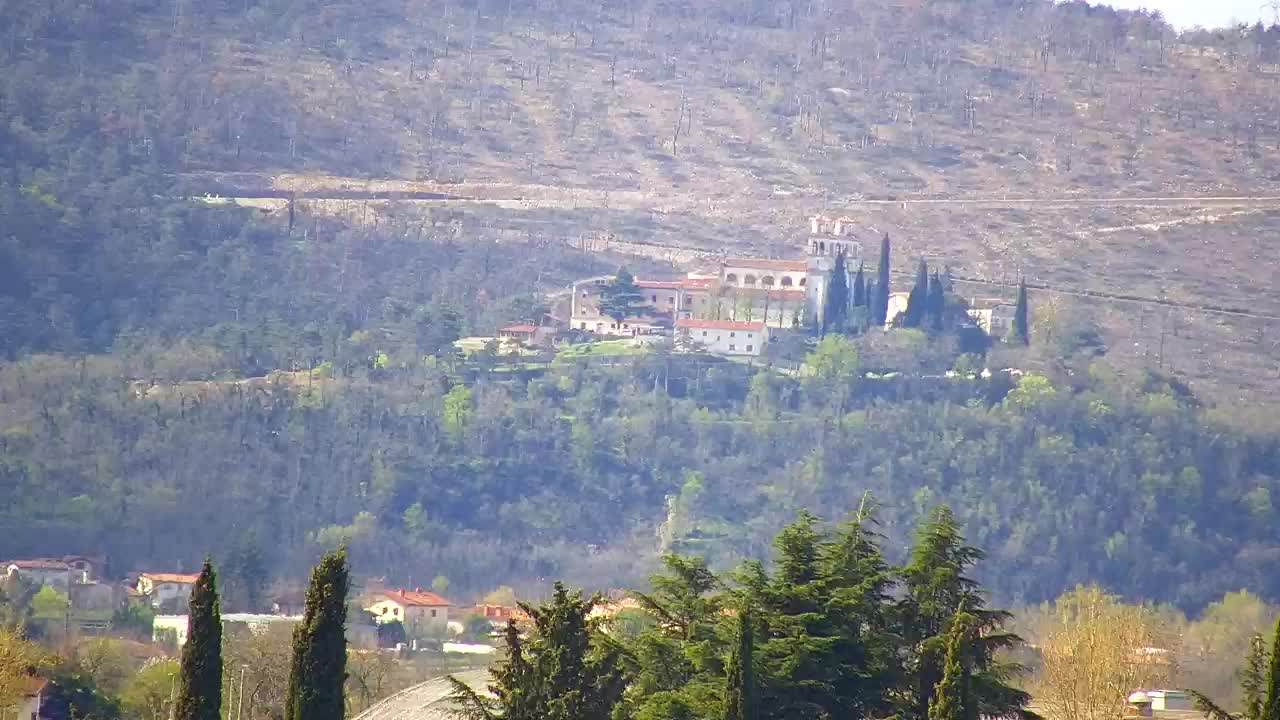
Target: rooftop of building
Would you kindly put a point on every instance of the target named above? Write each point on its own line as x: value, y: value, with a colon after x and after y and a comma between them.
x: 766, y: 264
x: 414, y: 598
x: 168, y: 577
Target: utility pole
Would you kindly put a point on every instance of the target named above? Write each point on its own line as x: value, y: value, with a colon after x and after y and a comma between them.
x: 240, y: 700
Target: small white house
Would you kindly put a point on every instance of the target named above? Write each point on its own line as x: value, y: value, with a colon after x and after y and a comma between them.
x: 724, y: 337
x: 418, y: 610
x: 162, y: 587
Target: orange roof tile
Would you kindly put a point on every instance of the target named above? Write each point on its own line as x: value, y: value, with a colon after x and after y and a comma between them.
x: 767, y: 264
x: 522, y: 328
x: 38, y: 564
x: 165, y: 577
x: 414, y: 598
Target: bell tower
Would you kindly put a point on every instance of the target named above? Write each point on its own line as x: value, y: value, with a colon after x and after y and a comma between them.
x: 827, y: 239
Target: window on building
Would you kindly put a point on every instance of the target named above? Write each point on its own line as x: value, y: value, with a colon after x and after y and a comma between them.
x: 750, y: 335
x: 395, y: 611
x: 671, y: 300
x: 748, y: 348
x: 433, y: 612
x: 802, y: 282
x: 732, y: 348
x: 613, y: 326
x: 786, y: 281
x: 733, y: 334
x: 584, y: 326
x: 704, y: 333
x: 653, y: 298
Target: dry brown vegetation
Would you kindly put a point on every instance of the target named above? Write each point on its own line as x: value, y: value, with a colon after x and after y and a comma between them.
x: 721, y: 125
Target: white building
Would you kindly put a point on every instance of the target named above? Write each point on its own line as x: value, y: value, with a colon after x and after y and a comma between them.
x: 418, y: 610
x: 54, y: 573
x: 28, y: 707
x: 724, y: 337
x: 995, y: 316
x: 161, y: 587
x: 161, y: 625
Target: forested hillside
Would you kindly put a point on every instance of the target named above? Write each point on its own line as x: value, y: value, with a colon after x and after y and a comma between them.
x: 569, y: 474
x: 140, y: 329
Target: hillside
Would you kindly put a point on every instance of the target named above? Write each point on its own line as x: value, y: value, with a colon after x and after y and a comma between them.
x: 718, y: 126
x: 453, y: 164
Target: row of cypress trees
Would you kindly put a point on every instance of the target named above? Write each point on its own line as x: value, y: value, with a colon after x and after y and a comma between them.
x: 318, y: 672
x: 926, y: 305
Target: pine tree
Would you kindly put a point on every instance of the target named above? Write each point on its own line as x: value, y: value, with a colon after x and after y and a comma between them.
x: 620, y: 297
x: 835, y: 308
x: 740, y: 701
x: 918, y: 301
x: 949, y: 694
x: 937, y: 303
x: 558, y: 674
x: 1020, y: 333
x: 1259, y: 684
x: 936, y: 583
x: 319, y: 669
x: 880, y: 303
x: 200, y: 696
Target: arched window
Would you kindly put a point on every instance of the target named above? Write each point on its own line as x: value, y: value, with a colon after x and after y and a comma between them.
x: 749, y: 280
x: 802, y: 281
x: 731, y: 278
x: 767, y: 281
x: 822, y: 248
x: 786, y: 281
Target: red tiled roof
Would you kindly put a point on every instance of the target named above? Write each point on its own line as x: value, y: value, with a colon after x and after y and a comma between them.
x: 694, y: 323
x: 766, y: 264
x: 696, y: 283
x: 523, y: 328
x: 34, y: 685
x: 39, y: 564
x: 414, y: 598
x: 499, y: 612
x: 660, y: 284
x: 164, y: 577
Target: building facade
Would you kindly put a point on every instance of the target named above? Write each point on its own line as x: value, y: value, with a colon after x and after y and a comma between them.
x: 161, y: 588
x: 419, y: 611
x: 724, y: 337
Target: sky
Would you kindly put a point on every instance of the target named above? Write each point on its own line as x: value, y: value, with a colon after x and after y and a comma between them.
x: 1209, y: 13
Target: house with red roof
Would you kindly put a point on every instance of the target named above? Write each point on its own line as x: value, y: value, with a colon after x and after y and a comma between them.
x: 529, y: 334
x: 724, y: 337
x: 28, y: 707
x: 163, y: 587
x: 420, y: 611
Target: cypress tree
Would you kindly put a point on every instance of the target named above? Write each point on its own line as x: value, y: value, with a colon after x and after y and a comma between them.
x: 859, y: 288
x: 1271, y: 696
x: 320, y: 646
x: 739, y: 702
x: 200, y: 697
x: 937, y: 302
x: 1253, y: 678
x: 918, y: 301
x: 880, y: 303
x: 1020, y: 333
x: 835, y: 308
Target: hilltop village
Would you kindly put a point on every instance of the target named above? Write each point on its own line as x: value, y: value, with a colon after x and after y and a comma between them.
x: 739, y: 306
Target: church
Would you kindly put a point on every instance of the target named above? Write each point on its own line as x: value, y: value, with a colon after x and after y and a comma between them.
x: 780, y: 293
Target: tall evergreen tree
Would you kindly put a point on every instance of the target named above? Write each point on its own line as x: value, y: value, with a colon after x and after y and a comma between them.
x: 1259, y: 684
x: 1020, y: 333
x: 936, y: 584
x: 319, y: 669
x: 835, y: 308
x: 937, y: 303
x: 560, y: 673
x: 740, y: 701
x: 918, y: 301
x: 200, y: 696
x: 880, y: 302
x: 621, y: 296
x: 859, y: 288
x: 949, y: 694
x: 1271, y: 698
